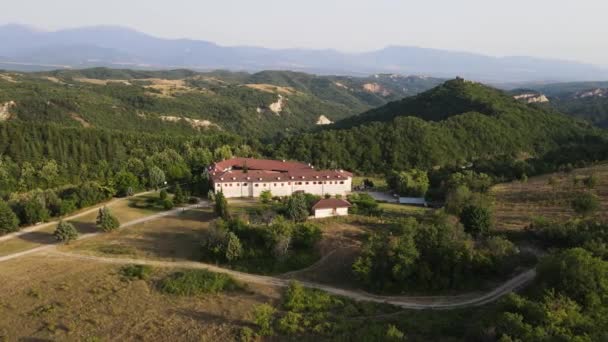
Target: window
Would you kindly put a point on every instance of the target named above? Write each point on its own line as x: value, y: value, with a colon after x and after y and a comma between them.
x: 289, y: 183
x: 306, y: 183
x: 244, y: 184
x: 275, y: 184
x: 341, y: 182
x: 282, y: 184
x: 257, y: 185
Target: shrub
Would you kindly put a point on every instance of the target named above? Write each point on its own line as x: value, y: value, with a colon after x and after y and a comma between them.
x: 65, y: 232
x: 299, y: 299
x: 585, y: 203
x: 197, y: 282
x: 266, y: 196
x: 132, y: 272
x: 168, y: 204
x: 246, y: 334
x: 291, y: 323
x: 394, y: 334
x: 591, y: 181
x: 163, y: 194
x: 306, y: 235
x: 263, y: 318
x: 477, y: 220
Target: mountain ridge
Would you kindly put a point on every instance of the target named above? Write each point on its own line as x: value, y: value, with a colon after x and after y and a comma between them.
x: 136, y: 49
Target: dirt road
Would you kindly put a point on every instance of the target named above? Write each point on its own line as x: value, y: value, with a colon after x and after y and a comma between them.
x: 405, y: 302
x: 68, y: 218
x: 86, y: 236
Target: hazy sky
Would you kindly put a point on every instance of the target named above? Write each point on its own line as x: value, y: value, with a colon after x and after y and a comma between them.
x: 572, y: 29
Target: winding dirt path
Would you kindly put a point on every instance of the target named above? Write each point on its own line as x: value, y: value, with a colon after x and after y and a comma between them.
x: 405, y: 302
x: 86, y: 236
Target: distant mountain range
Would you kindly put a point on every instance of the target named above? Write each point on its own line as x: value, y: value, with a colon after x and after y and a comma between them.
x: 26, y: 49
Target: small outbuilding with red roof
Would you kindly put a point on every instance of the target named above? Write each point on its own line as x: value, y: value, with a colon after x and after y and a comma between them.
x: 329, y: 207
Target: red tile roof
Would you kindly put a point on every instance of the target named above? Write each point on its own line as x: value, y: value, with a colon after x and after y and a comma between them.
x: 259, y: 164
x: 331, y: 203
x: 273, y: 176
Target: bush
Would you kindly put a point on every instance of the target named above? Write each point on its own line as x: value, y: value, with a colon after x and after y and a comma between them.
x: 266, y: 196
x: 291, y: 323
x: 163, y: 194
x: 167, y: 204
x: 132, y: 272
x: 65, y: 232
x: 263, y: 318
x: 477, y: 220
x: 299, y: 299
x: 306, y: 235
x: 197, y: 282
x: 585, y: 203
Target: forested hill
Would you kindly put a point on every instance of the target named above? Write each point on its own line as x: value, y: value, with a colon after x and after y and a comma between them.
x: 452, y: 124
x: 259, y: 105
x: 451, y: 98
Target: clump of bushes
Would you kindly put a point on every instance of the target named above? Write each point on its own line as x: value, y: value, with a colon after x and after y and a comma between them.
x: 133, y: 272
x: 197, y: 282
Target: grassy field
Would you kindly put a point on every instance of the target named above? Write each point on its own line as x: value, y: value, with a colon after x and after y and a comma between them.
x: 125, y: 210
x: 517, y: 204
x: 176, y: 237
x: 53, y: 298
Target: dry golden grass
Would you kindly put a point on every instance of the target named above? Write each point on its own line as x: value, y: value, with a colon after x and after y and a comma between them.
x: 517, y: 204
x: 100, y: 82
x: 123, y: 210
x: 175, y: 237
x: 50, y: 297
x: 270, y: 88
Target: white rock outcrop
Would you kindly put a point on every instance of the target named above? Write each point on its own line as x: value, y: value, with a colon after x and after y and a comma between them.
x: 277, y: 107
x: 532, y: 98
x: 592, y: 93
x: 323, y: 120
x: 5, y: 110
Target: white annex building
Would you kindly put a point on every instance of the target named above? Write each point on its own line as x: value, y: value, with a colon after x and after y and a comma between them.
x: 329, y: 207
x: 248, y: 177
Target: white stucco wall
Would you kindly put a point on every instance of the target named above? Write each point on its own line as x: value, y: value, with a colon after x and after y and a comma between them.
x: 285, y: 188
x: 320, y: 213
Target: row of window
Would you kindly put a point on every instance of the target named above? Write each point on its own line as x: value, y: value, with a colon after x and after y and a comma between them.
x: 282, y: 184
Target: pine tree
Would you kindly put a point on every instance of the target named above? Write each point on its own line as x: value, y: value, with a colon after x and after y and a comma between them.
x: 106, y: 221
x: 8, y: 220
x: 180, y: 197
x: 65, y: 232
x: 221, y: 206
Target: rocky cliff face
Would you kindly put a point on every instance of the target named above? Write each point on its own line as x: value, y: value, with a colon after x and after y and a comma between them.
x: 598, y: 92
x: 532, y: 98
x: 376, y: 89
x: 5, y: 110
x: 324, y: 120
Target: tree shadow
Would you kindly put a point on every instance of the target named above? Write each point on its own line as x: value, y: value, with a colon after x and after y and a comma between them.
x: 210, y: 317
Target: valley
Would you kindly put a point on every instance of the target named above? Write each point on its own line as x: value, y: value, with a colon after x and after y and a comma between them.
x: 114, y: 224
